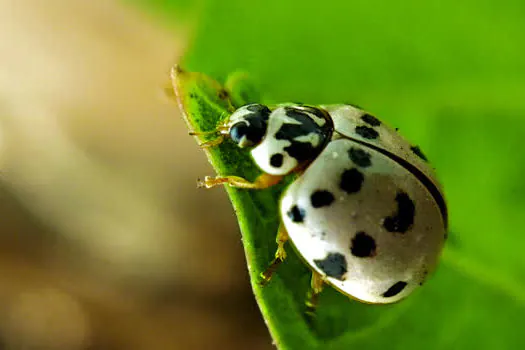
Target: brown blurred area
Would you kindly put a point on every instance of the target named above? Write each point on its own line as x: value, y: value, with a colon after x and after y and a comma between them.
x: 105, y: 242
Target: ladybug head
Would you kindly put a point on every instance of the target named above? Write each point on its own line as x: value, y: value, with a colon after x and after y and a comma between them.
x: 248, y: 125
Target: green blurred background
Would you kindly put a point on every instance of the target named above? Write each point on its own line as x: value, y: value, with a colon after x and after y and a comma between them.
x: 104, y: 245
x: 451, y: 76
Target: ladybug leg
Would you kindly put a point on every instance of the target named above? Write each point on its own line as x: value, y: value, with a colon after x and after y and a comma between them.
x: 312, y: 298
x: 280, y: 255
x: 219, y: 134
x: 261, y: 182
x: 211, y: 143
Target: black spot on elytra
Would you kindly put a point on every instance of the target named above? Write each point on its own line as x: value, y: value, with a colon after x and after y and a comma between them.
x: 395, y: 289
x: 425, y: 180
x: 445, y: 236
x: 417, y: 151
x: 403, y: 218
x: 351, y: 181
x: 360, y: 157
x: 333, y: 265
x: 366, y: 132
x: 370, y: 120
x: 321, y: 198
x: 296, y: 214
x: 363, y: 245
x: 276, y: 160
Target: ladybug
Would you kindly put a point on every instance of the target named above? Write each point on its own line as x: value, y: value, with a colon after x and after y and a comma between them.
x: 365, y: 212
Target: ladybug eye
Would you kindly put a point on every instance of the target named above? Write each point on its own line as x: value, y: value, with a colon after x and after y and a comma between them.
x: 245, y: 135
x: 249, y: 125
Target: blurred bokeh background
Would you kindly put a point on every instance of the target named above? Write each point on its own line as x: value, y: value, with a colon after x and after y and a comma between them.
x: 105, y: 242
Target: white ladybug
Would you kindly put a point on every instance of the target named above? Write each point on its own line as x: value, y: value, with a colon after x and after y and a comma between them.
x: 366, y: 212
